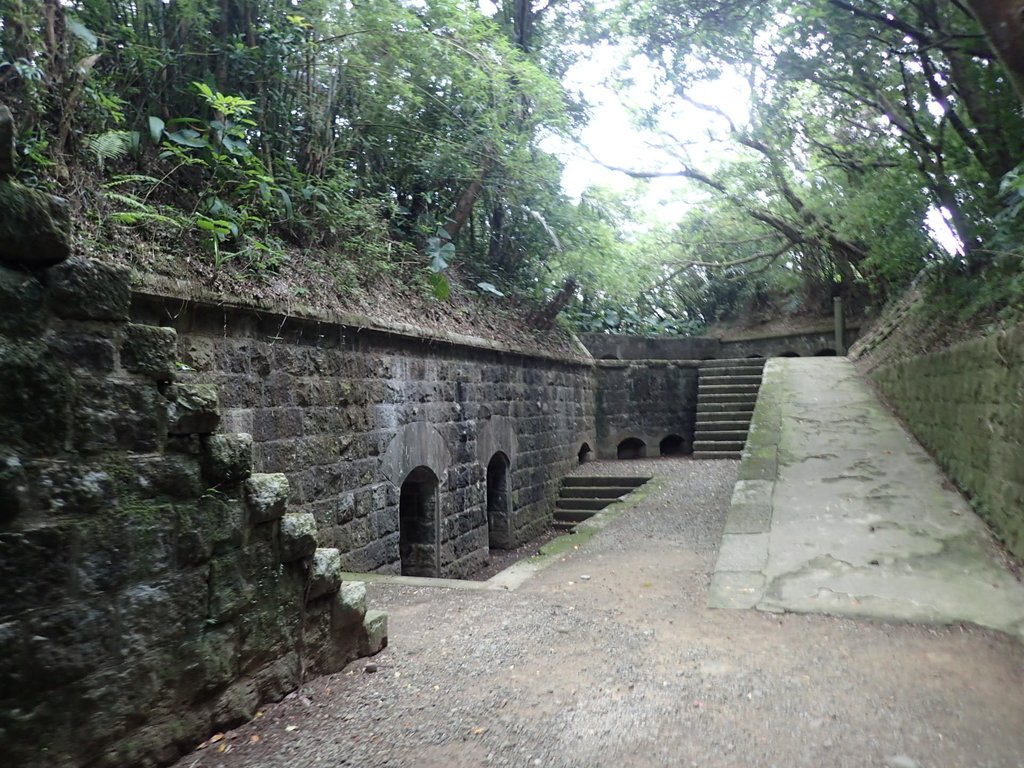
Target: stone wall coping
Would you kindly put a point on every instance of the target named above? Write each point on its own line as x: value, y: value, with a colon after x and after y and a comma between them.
x: 160, y: 288
x: 727, y: 338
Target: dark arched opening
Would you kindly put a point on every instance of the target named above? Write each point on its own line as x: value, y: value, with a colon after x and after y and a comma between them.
x: 499, y: 502
x: 632, y: 448
x: 673, y: 445
x: 789, y: 354
x: 418, y: 524
x: 825, y: 353
x: 609, y: 357
x: 585, y: 454
x: 755, y: 357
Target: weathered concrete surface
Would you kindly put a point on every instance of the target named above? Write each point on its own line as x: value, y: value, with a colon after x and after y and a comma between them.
x: 862, y: 521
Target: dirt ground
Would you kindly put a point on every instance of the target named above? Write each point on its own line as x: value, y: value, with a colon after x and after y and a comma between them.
x: 610, y: 657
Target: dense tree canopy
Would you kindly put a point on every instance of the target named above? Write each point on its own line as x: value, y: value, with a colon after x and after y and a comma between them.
x: 412, y: 133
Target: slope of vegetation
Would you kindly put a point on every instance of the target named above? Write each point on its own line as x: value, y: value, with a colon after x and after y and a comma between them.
x: 391, y: 155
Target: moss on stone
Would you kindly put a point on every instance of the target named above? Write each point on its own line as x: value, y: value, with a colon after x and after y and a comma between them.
x: 34, y: 395
x: 34, y: 227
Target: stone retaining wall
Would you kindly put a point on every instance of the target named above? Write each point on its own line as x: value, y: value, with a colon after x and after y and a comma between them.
x: 647, y: 401
x: 349, y: 413
x: 605, y: 346
x: 154, y: 589
x: 966, y: 406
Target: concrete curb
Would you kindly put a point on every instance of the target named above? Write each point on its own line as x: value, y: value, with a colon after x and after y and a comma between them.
x: 738, y: 581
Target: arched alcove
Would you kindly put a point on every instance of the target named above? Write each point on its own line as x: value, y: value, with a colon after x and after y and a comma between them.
x: 672, y: 445
x: 789, y: 353
x: 499, y: 502
x: 585, y: 453
x: 419, y: 525
x: 609, y: 357
x: 825, y: 353
x: 631, y: 448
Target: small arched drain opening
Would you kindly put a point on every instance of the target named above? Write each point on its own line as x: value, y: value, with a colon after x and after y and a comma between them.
x: 825, y: 353
x: 673, y: 445
x: 418, y: 524
x: 789, y: 354
x: 632, y: 448
x: 585, y: 454
x: 499, y: 502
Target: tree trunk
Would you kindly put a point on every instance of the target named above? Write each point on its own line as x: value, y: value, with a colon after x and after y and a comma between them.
x: 1003, y: 22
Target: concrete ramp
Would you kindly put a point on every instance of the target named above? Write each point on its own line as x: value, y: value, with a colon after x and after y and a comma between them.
x: 838, y: 510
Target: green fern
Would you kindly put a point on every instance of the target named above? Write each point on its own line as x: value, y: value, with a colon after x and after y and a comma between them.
x: 109, y: 146
x: 139, y: 211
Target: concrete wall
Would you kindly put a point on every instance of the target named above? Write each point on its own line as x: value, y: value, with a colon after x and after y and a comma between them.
x: 613, y: 347
x: 348, y: 413
x: 154, y: 588
x: 966, y: 406
x: 648, y: 401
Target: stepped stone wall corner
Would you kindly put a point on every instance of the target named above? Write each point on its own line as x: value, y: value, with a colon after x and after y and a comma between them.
x: 154, y: 588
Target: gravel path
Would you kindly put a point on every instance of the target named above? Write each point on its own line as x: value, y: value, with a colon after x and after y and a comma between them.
x: 609, y: 657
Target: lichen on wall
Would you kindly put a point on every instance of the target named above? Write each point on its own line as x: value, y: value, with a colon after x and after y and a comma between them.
x: 155, y: 589
x: 966, y: 406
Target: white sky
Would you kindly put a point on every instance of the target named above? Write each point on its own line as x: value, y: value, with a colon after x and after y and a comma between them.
x: 612, y: 138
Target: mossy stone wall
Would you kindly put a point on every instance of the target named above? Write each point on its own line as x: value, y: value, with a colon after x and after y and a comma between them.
x: 347, y: 412
x: 152, y: 592
x: 648, y: 400
x: 966, y: 406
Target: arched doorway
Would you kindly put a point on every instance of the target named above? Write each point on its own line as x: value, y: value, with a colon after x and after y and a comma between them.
x: 632, y: 448
x: 825, y: 353
x: 789, y: 354
x: 673, y: 445
x: 499, y: 502
x: 585, y: 454
x: 419, y: 525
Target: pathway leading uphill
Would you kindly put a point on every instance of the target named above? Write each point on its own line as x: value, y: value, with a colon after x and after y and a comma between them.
x: 838, y: 510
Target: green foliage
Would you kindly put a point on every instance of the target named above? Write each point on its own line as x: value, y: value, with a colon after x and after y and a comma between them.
x: 320, y: 126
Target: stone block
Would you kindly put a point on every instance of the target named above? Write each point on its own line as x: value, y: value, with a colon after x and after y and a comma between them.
x: 375, y: 633
x: 171, y: 475
x: 227, y: 458
x: 35, y: 227
x: 230, y: 591
x: 87, y: 289
x: 216, y: 524
x: 90, y: 351
x: 22, y: 304
x: 193, y: 409
x: 324, y: 573
x: 14, y: 489
x: 48, y: 555
x: 150, y: 350
x: 349, y: 606
x: 34, y: 393
x: 75, y: 488
x: 298, y: 536
x: 266, y: 495
x: 109, y: 414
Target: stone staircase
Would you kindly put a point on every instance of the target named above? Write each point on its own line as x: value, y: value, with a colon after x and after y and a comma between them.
x: 726, y: 393
x: 580, y: 498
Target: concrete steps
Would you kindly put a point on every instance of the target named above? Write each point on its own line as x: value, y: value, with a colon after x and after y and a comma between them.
x: 580, y: 498
x: 726, y: 395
